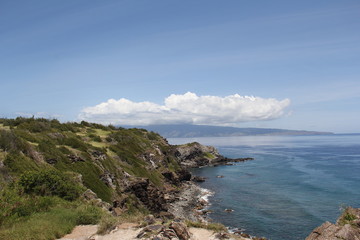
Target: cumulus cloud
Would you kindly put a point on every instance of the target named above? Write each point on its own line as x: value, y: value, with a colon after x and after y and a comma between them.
x: 187, y: 108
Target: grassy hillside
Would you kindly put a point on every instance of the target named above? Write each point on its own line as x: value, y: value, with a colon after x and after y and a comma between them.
x: 46, y: 166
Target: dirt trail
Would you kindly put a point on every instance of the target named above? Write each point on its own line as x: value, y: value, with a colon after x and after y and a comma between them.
x: 126, y: 232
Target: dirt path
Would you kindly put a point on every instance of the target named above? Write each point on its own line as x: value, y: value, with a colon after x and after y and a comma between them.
x: 128, y: 231
x: 82, y: 232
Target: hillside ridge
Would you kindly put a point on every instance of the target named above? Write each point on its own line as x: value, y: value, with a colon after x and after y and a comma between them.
x: 188, y: 131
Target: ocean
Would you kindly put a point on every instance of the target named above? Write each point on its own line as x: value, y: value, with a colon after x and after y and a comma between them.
x: 294, y: 183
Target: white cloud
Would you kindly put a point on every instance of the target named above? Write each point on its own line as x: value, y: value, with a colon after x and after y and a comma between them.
x: 187, y: 108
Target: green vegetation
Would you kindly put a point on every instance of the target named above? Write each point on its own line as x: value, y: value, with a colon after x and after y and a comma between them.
x: 347, y: 217
x: 49, y: 183
x: 216, y: 227
x: 43, y: 205
x: 53, y: 223
x: 209, y: 155
x: 45, y: 166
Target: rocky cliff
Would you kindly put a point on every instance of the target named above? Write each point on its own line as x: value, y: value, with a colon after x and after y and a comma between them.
x: 123, y: 169
x: 346, y: 227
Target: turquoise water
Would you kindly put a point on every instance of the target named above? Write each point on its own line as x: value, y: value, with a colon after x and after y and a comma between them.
x: 294, y: 184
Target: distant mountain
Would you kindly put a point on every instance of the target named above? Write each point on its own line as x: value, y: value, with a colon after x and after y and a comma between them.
x: 184, y: 130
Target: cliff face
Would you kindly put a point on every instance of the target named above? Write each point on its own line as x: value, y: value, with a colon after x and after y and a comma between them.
x: 346, y: 227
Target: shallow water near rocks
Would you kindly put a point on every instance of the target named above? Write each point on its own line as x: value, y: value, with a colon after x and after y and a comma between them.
x: 294, y: 184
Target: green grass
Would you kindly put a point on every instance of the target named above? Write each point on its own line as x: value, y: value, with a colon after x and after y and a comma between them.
x: 347, y: 218
x: 4, y: 127
x: 19, y: 163
x: 209, y: 155
x: 99, y: 144
x: 52, y: 224
x: 216, y: 227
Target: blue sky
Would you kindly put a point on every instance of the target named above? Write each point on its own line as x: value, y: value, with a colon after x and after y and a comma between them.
x: 299, y: 59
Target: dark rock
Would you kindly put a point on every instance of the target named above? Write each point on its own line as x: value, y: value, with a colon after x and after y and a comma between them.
x: 184, y: 175
x: 51, y: 161
x: 74, y: 158
x: 198, y: 179
x: 98, y: 155
x: 171, y: 177
x: 148, y: 194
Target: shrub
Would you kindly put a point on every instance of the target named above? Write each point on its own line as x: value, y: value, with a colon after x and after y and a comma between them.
x: 19, y: 163
x: 95, y: 138
x: 88, y: 214
x: 14, y: 205
x: 49, y: 183
x: 75, y: 143
x: 10, y: 142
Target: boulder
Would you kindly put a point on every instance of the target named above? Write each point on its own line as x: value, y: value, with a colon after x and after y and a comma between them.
x: 149, y: 219
x: 181, y: 230
x: 198, y: 179
x: 346, y: 227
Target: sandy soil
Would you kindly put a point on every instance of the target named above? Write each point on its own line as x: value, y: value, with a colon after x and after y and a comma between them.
x: 202, y: 234
x: 82, y: 232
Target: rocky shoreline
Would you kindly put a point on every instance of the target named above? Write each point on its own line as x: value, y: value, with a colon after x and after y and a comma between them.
x: 175, y: 207
x: 192, y: 203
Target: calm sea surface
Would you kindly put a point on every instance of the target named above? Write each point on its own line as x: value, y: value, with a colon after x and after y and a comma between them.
x: 294, y: 184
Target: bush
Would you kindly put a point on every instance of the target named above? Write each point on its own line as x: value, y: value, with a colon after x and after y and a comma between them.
x: 49, y: 183
x: 75, y: 143
x: 10, y: 142
x: 95, y: 138
x: 88, y: 214
x: 19, y: 163
x: 14, y: 205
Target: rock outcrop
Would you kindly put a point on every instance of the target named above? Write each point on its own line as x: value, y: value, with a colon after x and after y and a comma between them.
x: 148, y: 194
x: 346, y: 227
x: 194, y: 155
